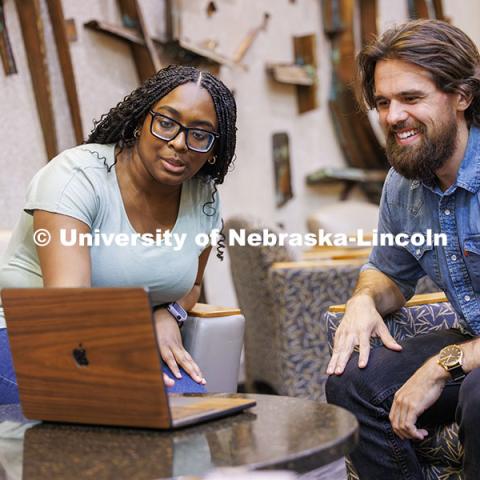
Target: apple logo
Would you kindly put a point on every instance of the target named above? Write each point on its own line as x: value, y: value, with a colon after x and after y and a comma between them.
x: 80, y: 356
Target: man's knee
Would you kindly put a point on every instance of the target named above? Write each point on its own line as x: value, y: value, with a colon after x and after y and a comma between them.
x: 341, y: 389
x: 380, y: 375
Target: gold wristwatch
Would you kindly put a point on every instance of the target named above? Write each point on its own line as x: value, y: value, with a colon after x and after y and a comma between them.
x: 451, y: 359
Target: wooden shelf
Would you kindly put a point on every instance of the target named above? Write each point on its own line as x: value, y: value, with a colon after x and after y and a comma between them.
x: 176, y: 47
x: 122, y: 33
x: 357, y: 175
x: 292, y: 74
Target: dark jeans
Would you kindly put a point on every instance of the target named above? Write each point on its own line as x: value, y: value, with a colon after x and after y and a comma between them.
x: 9, y: 388
x: 368, y: 393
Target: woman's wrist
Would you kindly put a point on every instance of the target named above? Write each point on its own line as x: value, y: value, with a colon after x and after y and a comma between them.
x: 176, y: 311
x: 161, y: 314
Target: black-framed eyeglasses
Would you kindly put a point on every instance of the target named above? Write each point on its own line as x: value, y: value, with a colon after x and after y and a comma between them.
x: 196, y: 139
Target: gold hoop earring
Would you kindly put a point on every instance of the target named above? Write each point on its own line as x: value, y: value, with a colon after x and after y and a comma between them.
x: 212, y: 160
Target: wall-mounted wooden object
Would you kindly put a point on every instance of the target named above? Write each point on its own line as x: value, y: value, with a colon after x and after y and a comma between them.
x: 71, y: 30
x: 59, y: 26
x: 292, y: 74
x: 6, y: 52
x: 349, y: 177
x: 426, y: 9
x: 181, y: 50
x: 327, y: 175
x: 145, y: 56
x: 305, y: 50
x: 354, y: 132
x: 250, y: 37
x: 33, y: 38
x: 302, y: 73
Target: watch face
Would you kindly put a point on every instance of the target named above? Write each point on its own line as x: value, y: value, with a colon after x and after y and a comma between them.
x: 451, y: 356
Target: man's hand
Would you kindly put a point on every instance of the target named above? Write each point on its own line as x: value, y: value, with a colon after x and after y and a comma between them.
x: 420, y: 392
x: 360, y: 322
x: 171, y: 347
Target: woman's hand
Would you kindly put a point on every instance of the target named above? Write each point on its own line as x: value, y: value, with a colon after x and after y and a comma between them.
x: 171, y: 347
x: 169, y: 382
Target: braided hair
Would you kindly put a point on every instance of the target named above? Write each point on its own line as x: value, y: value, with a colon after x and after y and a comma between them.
x: 119, y: 124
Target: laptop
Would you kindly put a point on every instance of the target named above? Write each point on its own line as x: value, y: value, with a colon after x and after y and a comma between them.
x: 90, y: 355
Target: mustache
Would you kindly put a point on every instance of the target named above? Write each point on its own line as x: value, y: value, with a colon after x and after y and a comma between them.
x: 404, y: 126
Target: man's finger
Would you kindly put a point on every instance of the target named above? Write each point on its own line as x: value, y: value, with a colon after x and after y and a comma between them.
x: 364, y: 349
x: 344, y: 356
x: 387, y: 339
x: 337, y: 348
x: 332, y: 363
x: 409, y: 424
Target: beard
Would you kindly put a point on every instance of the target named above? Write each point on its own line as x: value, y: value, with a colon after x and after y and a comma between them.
x: 431, y: 152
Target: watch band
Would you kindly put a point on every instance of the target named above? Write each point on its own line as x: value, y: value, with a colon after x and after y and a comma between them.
x: 176, y: 311
x: 457, y: 373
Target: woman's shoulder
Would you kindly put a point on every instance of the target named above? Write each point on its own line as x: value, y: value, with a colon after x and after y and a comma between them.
x: 84, y: 163
x: 75, y: 180
x: 86, y: 156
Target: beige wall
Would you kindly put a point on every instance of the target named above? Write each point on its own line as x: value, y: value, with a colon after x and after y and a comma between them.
x: 105, y: 73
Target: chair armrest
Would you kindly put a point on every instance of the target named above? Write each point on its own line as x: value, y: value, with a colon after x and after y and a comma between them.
x: 421, y: 299
x: 424, y: 314
x: 215, y: 342
x: 204, y: 310
x: 337, y: 253
x: 317, y: 264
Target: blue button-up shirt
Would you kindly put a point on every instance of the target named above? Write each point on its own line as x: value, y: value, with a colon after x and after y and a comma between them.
x: 410, y: 206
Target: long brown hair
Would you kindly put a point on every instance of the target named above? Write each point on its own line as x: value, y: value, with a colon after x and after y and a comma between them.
x: 445, y: 51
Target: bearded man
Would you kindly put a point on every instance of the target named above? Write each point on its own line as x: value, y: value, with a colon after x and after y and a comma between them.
x: 423, y: 78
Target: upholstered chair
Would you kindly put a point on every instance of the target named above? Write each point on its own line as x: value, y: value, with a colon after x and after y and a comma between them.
x: 283, y: 301
x: 440, y: 453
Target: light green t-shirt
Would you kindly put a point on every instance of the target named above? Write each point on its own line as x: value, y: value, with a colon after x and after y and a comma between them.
x: 82, y: 183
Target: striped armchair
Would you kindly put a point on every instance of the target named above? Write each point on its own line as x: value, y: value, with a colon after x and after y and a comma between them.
x: 441, y: 453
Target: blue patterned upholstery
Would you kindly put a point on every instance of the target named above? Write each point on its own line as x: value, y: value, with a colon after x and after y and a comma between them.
x: 302, y: 294
x: 440, y: 453
x: 285, y: 340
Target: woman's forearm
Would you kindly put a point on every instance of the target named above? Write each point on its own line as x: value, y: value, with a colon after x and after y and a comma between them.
x: 191, y: 298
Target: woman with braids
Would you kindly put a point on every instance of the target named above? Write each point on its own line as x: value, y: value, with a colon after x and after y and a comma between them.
x: 150, y: 165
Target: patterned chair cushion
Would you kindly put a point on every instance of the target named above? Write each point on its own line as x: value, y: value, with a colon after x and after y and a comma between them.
x: 441, y: 452
x: 302, y: 295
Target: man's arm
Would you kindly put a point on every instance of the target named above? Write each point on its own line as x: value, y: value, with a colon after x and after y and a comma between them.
x: 375, y: 295
x: 384, y: 292
x: 383, y: 286
x: 422, y: 390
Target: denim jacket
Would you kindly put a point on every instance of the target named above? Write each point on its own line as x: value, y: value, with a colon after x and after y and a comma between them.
x: 410, y: 206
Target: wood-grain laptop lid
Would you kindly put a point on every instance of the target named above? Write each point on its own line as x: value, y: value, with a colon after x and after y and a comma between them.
x: 89, y: 355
